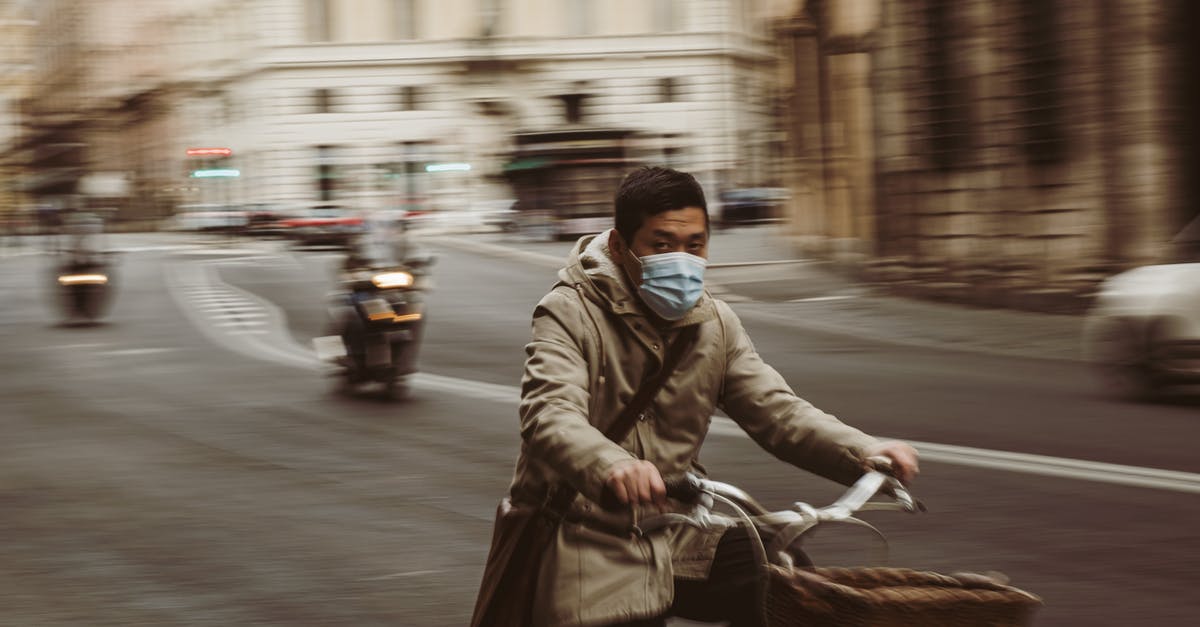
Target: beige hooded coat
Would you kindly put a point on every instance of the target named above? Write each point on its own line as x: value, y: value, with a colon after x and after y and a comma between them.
x: 592, y: 346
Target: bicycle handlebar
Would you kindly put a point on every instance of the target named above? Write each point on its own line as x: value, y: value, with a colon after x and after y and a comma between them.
x: 788, y: 525
x: 785, y: 526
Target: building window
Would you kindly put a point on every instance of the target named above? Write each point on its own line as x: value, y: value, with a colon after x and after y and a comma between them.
x: 409, y: 175
x: 327, y: 173
x: 948, y: 105
x: 409, y: 98
x: 318, y: 20
x: 1041, y: 68
x: 666, y: 16
x: 572, y: 107
x: 322, y: 100
x: 668, y: 89
x: 404, y: 19
x: 489, y: 17
x: 580, y: 17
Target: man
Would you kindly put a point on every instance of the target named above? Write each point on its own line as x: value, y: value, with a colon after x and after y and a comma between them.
x: 619, y: 304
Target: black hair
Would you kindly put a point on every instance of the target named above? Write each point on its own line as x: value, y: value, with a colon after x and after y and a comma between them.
x: 651, y: 190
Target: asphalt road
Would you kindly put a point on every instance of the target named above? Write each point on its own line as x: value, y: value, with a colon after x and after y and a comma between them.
x: 186, y: 464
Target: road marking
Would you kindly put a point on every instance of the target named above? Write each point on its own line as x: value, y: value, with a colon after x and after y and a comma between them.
x: 216, y: 300
x: 282, y: 349
x: 1032, y: 464
x: 136, y: 351
x: 411, y: 573
x: 818, y: 299
x: 241, y: 314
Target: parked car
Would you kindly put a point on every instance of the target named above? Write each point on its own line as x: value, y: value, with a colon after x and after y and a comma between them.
x: 477, y: 216
x: 322, y: 226
x: 752, y: 205
x: 264, y: 219
x: 501, y: 215
x: 1143, y: 332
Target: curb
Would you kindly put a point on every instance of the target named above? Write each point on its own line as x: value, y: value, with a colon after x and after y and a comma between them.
x: 749, y: 308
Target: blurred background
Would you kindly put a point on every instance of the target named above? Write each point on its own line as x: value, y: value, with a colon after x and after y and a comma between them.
x: 974, y: 224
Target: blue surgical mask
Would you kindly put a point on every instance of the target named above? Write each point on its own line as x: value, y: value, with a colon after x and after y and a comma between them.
x: 672, y: 283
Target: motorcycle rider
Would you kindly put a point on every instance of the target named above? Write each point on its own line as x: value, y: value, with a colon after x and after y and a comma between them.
x: 619, y: 303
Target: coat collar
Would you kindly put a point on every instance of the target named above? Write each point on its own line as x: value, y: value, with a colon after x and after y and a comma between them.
x: 592, y: 266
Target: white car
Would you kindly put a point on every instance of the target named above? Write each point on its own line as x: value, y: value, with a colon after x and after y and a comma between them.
x: 207, y: 218
x: 1144, y: 329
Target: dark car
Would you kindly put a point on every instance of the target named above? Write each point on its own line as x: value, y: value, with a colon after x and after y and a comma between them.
x: 265, y: 220
x: 323, y: 226
x: 752, y: 205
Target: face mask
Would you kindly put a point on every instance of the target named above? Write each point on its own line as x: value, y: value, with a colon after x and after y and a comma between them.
x: 672, y: 283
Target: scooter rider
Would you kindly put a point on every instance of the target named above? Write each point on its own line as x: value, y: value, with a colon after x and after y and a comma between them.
x: 622, y: 299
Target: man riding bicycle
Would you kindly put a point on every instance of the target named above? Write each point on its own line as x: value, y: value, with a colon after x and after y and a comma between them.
x: 624, y: 298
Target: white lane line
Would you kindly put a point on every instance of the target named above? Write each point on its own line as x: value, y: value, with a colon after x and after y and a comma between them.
x: 219, y: 300
x: 819, y: 299
x: 467, y: 387
x: 1032, y: 464
x: 227, y: 314
x: 284, y: 350
x: 135, y: 351
x: 411, y: 573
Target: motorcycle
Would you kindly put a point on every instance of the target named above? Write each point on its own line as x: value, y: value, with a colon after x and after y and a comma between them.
x: 377, y: 315
x: 84, y: 274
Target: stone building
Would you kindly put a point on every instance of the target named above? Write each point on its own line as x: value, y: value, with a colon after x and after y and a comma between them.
x: 346, y: 101
x: 50, y: 142
x: 16, y: 84
x: 1009, y: 153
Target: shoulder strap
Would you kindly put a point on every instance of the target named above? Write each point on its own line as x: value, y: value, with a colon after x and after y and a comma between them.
x: 650, y: 387
x: 562, y: 497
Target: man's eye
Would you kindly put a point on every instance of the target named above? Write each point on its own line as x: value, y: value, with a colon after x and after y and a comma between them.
x: 661, y: 246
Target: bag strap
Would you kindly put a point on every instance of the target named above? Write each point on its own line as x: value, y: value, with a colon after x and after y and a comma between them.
x: 650, y: 387
x: 562, y: 497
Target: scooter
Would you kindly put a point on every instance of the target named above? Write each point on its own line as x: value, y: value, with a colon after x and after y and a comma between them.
x: 376, y: 319
x: 84, y: 274
x: 84, y: 290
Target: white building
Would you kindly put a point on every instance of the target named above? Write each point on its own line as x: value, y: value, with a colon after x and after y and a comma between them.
x: 336, y: 101
x: 347, y: 101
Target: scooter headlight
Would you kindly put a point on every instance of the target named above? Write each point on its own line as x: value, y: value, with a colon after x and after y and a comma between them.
x: 82, y: 279
x: 389, y: 280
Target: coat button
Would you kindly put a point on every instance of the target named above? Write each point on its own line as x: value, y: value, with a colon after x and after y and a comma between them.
x: 642, y: 417
x: 656, y: 347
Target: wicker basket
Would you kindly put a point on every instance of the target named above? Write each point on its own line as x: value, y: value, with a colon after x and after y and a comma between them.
x: 892, y: 597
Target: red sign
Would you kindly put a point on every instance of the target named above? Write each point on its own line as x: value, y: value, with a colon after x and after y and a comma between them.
x: 209, y: 152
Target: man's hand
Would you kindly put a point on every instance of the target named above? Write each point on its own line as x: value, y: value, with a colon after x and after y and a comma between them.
x: 636, y: 482
x: 903, y: 456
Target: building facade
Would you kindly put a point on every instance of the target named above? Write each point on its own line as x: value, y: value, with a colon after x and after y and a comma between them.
x: 1015, y: 152
x: 16, y: 85
x: 355, y: 98
x: 348, y: 102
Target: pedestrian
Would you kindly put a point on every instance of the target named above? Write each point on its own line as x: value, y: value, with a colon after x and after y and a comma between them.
x: 628, y: 300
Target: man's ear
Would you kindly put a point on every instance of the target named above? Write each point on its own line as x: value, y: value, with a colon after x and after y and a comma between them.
x: 616, y: 242
x: 624, y: 258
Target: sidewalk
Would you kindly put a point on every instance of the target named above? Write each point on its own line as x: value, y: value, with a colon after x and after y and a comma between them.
x: 755, y: 270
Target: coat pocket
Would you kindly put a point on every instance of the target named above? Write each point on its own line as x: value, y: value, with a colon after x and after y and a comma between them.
x: 601, y: 577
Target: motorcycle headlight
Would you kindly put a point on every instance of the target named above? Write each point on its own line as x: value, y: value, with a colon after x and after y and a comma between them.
x: 82, y: 279
x: 389, y: 280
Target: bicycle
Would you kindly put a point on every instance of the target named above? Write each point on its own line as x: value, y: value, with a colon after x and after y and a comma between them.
x: 798, y: 593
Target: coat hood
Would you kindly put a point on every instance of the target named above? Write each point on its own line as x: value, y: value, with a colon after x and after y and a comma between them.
x: 592, y: 269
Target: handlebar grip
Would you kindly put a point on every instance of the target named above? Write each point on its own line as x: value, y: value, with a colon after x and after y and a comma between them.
x: 609, y: 501
x: 685, y: 488
x: 880, y: 463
